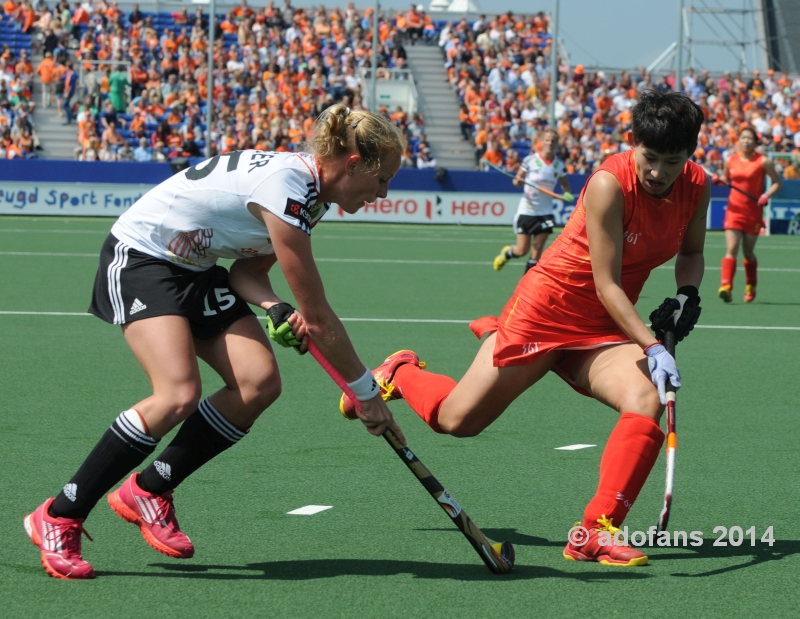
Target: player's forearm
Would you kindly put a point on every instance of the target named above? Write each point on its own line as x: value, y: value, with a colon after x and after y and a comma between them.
x: 253, y: 284
x: 773, y: 189
x: 689, y: 269
x: 623, y: 312
x: 330, y: 336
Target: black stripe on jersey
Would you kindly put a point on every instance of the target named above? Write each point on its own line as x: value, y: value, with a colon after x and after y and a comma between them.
x: 311, y: 194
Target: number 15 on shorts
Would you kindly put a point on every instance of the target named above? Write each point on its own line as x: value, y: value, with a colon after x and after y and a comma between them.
x: 224, y: 301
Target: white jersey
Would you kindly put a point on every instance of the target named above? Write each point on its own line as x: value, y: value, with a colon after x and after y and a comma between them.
x: 545, y: 175
x: 200, y: 215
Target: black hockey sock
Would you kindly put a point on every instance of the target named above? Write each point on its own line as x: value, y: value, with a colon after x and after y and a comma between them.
x: 123, y: 447
x: 510, y: 253
x: 203, y: 436
x: 530, y: 264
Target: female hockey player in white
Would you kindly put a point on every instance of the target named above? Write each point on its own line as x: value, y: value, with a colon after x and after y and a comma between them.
x: 534, y: 216
x: 158, y: 278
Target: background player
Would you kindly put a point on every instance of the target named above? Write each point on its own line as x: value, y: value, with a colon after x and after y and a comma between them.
x: 158, y: 278
x: 534, y: 216
x: 575, y: 315
x: 746, y: 169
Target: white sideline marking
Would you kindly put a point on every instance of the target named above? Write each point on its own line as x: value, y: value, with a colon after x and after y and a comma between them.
x: 309, y: 510
x: 412, y: 320
x: 574, y: 447
x: 409, y: 238
x: 47, y: 254
x: 368, y: 261
x: 54, y: 231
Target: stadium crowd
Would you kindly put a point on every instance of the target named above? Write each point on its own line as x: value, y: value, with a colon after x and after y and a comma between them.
x: 501, y: 71
x: 144, y: 87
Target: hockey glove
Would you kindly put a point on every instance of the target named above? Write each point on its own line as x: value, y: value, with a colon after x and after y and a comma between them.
x: 280, y: 331
x: 662, y: 368
x: 684, y: 308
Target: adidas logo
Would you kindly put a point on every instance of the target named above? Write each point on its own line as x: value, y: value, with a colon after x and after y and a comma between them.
x: 137, y: 306
x: 165, y: 470
x: 71, y: 491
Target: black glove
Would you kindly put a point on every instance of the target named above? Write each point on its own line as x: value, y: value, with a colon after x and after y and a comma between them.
x: 687, y: 304
x: 280, y: 331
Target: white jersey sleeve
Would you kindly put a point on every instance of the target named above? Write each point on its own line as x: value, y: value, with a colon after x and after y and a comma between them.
x: 200, y: 215
x: 289, y: 196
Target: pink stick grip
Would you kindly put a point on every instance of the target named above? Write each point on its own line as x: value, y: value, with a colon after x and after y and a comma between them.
x: 333, y: 373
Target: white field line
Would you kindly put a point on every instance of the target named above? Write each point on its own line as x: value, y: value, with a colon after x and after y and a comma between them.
x: 48, y: 254
x: 366, y: 261
x: 414, y: 320
x: 34, y: 230
x: 574, y: 447
x: 369, y: 238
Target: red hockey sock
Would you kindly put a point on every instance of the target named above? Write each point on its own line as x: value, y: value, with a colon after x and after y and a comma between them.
x: 424, y: 391
x: 629, y: 456
x: 728, y: 271
x: 750, y: 271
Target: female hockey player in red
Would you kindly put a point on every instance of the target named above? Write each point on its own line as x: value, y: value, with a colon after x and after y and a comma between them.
x: 574, y: 314
x: 745, y: 172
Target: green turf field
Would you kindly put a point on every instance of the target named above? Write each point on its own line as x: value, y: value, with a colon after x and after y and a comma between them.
x: 385, y: 549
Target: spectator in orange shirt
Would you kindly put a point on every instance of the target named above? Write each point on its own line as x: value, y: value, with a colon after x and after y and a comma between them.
x: 28, y: 17
x: 24, y: 65
x: 414, y: 20
x: 493, y: 154
x: 228, y: 25
x: 138, y: 78
x: 46, y: 71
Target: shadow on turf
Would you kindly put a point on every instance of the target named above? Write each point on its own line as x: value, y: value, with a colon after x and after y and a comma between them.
x: 758, y: 554
x: 508, y: 535
x: 311, y: 569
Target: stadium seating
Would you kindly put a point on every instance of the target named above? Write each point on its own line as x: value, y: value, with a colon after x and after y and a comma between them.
x: 287, y: 69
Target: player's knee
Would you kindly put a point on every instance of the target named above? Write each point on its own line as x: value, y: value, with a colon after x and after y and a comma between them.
x: 642, y: 399
x: 460, y: 428
x: 260, y: 391
x: 184, y: 400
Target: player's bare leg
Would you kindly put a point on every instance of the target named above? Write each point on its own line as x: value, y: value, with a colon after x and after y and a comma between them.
x: 519, y: 249
x: 733, y: 238
x: 537, y: 248
x: 618, y: 377
x: 467, y: 408
x: 165, y: 349
x: 243, y: 357
x: 750, y: 266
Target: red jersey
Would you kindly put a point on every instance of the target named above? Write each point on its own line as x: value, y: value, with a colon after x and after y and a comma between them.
x: 744, y: 213
x: 653, y: 230
x: 555, y: 305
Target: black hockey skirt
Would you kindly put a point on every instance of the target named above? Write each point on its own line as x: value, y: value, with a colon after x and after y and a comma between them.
x: 131, y: 285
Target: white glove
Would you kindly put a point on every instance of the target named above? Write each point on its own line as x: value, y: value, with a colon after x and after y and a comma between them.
x: 662, y: 367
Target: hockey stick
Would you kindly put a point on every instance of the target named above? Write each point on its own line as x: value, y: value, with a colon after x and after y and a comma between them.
x: 732, y: 186
x: 546, y: 192
x: 672, y: 438
x: 499, y: 558
x: 747, y: 193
